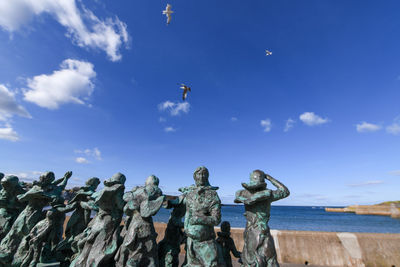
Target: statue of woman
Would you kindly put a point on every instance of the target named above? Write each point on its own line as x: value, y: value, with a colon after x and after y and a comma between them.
x: 259, y: 249
x: 79, y: 219
x: 10, y: 207
x: 139, y: 247
x: 39, y: 196
x: 99, y: 242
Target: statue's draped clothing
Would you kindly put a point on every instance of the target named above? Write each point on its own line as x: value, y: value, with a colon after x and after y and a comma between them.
x: 102, y: 233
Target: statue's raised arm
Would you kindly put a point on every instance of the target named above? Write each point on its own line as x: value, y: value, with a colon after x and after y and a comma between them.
x: 281, y: 192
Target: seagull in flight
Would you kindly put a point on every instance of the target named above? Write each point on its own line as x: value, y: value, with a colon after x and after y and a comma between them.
x: 185, y: 90
x: 168, y: 13
x: 268, y: 53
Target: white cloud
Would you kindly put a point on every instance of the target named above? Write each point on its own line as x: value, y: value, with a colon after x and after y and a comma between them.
x: 266, y: 124
x: 366, y: 183
x: 94, y: 153
x: 9, y: 105
x: 174, y: 108
x: 394, y: 128
x: 8, y: 133
x: 234, y: 119
x: 396, y: 173
x: 71, y: 84
x: 81, y: 160
x: 289, y: 125
x: 311, y: 119
x: 83, y: 27
x: 27, y: 175
x: 162, y: 119
x: 169, y: 129
x: 367, y: 127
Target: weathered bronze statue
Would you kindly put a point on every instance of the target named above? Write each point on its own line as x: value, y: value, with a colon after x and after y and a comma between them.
x: 100, y: 240
x: 203, y: 212
x: 259, y: 249
x: 170, y: 247
x: 139, y: 247
x: 78, y: 221
x: 80, y: 218
x: 13, y: 247
x: 227, y: 244
x: 44, y: 236
x: 10, y: 207
x: 1, y: 177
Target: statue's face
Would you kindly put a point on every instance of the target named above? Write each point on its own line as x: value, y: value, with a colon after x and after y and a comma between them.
x: 201, y: 178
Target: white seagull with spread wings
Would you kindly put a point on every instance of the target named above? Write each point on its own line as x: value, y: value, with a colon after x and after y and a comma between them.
x: 268, y: 53
x: 185, y: 90
x: 168, y: 13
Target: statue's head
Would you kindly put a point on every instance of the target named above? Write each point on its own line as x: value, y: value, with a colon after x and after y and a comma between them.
x: 257, y: 181
x: 225, y: 227
x: 93, y: 182
x: 47, y: 178
x: 9, y: 182
x: 152, y: 180
x: 200, y: 176
x: 117, y: 178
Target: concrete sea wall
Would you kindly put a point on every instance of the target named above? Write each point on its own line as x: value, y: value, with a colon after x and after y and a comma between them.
x: 327, y: 248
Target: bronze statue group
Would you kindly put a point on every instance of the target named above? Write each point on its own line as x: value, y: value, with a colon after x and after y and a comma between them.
x: 32, y: 223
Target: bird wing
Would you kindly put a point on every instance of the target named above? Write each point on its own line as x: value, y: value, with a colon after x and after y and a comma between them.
x: 168, y: 18
x: 184, y: 94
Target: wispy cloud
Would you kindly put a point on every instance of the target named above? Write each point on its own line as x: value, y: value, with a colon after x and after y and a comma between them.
x: 91, y: 153
x: 8, y: 133
x: 234, y: 119
x: 394, y: 128
x: 73, y: 83
x: 169, y: 129
x: 162, y: 119
x: 366, y: 183
x: 395, y: 173
x: 289, y: 125
x: 82, y: 25
x: 266, y: 124
x: 311, y: 119
x: 81, y: 160
x: 27, y: 175
x: 174, y: 109
x: 9, y: 105
x: 365, y: 127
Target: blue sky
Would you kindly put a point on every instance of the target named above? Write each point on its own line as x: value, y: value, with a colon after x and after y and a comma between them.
x: 91, y: 86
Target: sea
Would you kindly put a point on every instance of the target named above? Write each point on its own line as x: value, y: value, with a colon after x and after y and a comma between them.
x: 307, y: 218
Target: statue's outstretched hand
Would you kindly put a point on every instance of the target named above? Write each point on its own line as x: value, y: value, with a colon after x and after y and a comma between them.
x: 68, y: 174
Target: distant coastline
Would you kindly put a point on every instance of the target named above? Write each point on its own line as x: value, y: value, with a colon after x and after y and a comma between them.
x: 388, y: 208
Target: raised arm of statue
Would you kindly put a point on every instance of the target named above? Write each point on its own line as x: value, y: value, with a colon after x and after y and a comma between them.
x: 252, y: 198
x: 63, y: 180
x: 282, y: 190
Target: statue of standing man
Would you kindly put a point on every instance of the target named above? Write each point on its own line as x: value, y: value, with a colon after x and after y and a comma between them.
x: 203, y: 212
x: 259, y: 248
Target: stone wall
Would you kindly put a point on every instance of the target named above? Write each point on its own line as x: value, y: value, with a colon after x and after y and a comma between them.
x: 328, y: 248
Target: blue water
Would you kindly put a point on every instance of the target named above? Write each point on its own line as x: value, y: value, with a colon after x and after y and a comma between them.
x: 308, y: 219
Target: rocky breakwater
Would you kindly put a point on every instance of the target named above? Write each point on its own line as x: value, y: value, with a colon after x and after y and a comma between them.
x: 390, y: 208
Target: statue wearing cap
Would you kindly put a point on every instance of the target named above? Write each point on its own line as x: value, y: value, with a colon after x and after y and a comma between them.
x: 259, y: 249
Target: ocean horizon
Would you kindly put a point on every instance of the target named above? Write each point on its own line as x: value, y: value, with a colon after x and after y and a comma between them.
x: 306, y: 218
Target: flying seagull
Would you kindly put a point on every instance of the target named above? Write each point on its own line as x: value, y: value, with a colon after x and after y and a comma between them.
x: 268, y: 53
x: 185, y: 90
x: 168, y: 13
